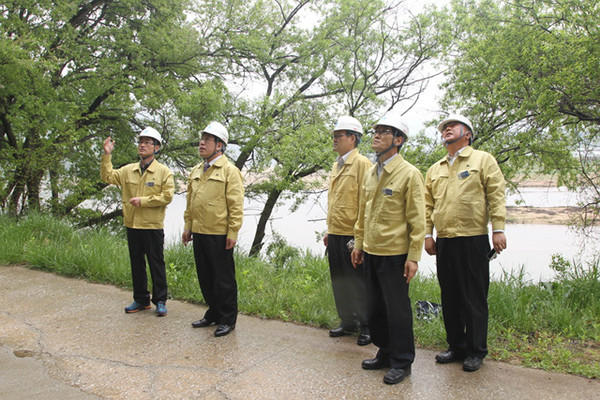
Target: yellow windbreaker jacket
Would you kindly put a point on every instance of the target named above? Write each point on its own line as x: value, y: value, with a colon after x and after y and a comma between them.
x: 155, y: 188
x: 342, y: 197
x: 462, y: 198
x: 391, y: 217
x: 215, y: 200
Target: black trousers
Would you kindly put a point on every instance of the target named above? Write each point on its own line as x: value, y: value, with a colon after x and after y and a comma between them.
x: 147, y: 243
x: 390, y: 312
x: 216, y: 274
x: 463, y: 272
x: 348, y: 284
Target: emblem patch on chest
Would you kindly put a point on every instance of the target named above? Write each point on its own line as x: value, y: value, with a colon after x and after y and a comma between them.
x: 463, y: 175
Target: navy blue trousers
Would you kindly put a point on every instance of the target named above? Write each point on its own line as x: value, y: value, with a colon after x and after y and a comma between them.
x: 390, y: 312
x: 147, y: 244
x: 463, y: 272
x: 216, y: 274
x: 348, y: 283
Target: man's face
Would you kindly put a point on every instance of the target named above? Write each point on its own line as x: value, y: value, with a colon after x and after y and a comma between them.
x: 452, y: 131
x: 383, y: 137
x: 146, y: 147
x: 342, y: 142
x: 208, y: 145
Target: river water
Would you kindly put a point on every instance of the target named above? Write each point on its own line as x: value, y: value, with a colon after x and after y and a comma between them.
x: 530, y: 247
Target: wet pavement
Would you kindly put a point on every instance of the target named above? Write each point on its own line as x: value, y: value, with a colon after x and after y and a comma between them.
x: 69, y: 339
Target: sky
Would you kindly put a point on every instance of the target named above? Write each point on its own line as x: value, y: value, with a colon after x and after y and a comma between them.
x: 427, y: 107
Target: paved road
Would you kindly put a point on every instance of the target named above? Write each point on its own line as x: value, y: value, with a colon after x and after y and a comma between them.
x: 69, y: 339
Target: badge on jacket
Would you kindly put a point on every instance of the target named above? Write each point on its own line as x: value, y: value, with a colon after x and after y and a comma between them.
x: 463, y: 175
x: 387, y: 192
x: 150, y: 184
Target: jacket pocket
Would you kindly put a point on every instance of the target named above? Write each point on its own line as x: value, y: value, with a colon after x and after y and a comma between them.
x: 438, y: 186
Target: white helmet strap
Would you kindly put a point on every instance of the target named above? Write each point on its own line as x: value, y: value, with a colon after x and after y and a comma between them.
x: 153, y: 153
x: 217, y: 141
x: 462, y: 134
x: 397, y: 133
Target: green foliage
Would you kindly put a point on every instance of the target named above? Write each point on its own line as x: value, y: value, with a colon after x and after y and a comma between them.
x: 526, y: 73
x: 279, y: 252
x: 354, y: 57
x: 48, y: 243
x: 299, y: 292
x: 182, y: 279
x: 72, y: 74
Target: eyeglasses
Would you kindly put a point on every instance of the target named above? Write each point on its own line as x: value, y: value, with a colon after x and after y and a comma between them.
x: 207, y: 138
x: 146, y: 142
x: 338, y: 135
x: 383, y: 131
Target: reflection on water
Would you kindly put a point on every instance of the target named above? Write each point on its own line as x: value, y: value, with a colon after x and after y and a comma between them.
x: 529, y: 246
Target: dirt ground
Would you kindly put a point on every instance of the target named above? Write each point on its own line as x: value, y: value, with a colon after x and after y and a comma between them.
x: 541, y: 215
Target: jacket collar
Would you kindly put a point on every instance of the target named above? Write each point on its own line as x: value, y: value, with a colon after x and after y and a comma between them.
x: 465, y: 152
x: 151, y: 167
x: 221, y: 161
x: 351, y: 157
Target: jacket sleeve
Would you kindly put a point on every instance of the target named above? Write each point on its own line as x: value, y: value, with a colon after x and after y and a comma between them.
x: 107, y: 173
x: 359, y: 226
x: 166, y: 194
x: 415, y: 215
x: 429, y: 204
x: 235, y: 203
x: 495, y: 187
x: 187, y: 214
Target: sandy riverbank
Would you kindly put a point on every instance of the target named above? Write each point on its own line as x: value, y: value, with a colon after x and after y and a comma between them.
x: 541, y: 215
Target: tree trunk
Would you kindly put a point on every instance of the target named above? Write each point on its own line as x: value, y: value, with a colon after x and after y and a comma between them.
x: 54, y: 193
x: 102, y: 218
x: 257, y: 243
x: 34, y: 182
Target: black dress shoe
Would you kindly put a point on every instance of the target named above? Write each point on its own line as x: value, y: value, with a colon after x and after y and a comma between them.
x: 448, y: 356
x: 223, y: 330
x: 342, y: 331
x: 202, y: 323
x: 396, y: 375
x: 376, y: 363
x: 364, y: 338
x: 472, y: 364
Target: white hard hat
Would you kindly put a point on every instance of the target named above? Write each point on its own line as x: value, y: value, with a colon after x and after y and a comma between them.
x: 151, y: 133
x: 394, y: 120
x: 347, y: 123
x: 457, y: 118
x: 218, y: 130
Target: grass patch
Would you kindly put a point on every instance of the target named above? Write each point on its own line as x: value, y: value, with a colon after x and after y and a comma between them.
x: 554, y: 325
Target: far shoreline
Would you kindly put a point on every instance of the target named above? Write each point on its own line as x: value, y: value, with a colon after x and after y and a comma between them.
x: 542, y: 215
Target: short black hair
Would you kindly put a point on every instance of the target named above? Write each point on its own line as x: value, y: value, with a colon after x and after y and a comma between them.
x: 356, y: 135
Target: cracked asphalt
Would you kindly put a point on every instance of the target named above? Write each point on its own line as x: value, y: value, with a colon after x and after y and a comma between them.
x: 70, y: 339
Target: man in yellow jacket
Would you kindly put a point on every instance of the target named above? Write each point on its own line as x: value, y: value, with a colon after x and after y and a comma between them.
x: 147, y: 187
x: 464, y: 191
x: 212, y: 219
x: 389, y: 235
x: 346, y: 177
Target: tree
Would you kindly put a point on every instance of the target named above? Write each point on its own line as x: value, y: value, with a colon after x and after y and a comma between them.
x: 72, y: 73
x: 307, y: 62
x: 527, y: 73
x: 277, y: 72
